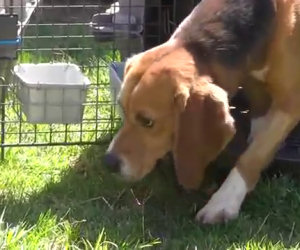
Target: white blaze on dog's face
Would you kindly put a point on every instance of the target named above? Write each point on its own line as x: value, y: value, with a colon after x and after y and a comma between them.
x: 147, y: 99
x: 147, y: 131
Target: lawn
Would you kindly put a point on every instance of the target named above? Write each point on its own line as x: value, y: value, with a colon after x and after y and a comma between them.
x: 49, y: 200
x: 64, y: 198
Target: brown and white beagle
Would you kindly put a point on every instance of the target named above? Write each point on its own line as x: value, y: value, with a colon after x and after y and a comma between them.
x: 175, y: 96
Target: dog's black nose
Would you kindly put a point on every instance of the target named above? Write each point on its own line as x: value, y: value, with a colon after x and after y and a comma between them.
x: 113, y: 162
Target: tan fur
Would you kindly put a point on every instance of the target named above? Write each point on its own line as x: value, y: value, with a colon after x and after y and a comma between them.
x: 137, y: 65
x: 202, y: 130
x: 170, y: 91
x: 283, y: 80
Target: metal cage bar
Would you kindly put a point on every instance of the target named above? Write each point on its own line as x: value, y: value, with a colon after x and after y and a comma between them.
x: 61, y: 31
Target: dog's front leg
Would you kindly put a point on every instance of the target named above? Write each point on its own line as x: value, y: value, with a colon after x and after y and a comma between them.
x: 225, y: 204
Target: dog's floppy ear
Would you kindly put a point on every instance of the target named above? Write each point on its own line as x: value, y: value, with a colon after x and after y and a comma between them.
x: 203, y: 128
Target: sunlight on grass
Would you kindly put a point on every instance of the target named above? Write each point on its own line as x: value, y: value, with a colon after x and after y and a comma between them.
x: 47, y: 204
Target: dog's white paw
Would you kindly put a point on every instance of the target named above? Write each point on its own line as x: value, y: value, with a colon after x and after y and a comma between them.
x: 217, y: 212
x: 225, y: 204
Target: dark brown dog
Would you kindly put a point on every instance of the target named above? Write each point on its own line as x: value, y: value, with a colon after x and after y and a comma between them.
x: 175, y: 96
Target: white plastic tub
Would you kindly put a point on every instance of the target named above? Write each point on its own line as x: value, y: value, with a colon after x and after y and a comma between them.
x: 51, y: 93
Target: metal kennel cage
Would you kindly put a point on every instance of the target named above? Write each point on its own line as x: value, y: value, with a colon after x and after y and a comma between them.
x: 92, y: 34
x: 68, y: 31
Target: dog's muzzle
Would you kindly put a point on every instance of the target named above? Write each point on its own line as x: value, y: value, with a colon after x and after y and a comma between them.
x: 113, y: 162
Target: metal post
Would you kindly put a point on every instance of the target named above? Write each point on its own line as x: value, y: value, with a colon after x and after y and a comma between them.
x: 5, y: 73
x: 2, y: 117
x: 3, y: 92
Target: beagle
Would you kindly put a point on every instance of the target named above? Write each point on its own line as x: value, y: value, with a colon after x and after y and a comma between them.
x: 175, y: 97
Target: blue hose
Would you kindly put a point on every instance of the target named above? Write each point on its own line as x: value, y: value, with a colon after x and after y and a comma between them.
x: 16, y: 41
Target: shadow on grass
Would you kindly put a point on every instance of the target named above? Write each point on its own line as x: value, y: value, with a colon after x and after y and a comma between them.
x: 91, y: 199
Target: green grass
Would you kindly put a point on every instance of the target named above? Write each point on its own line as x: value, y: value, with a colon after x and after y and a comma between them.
x: 49, y: 200
x: 63, y: 198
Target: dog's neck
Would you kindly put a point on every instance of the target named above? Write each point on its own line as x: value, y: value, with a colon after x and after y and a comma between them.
x: 228, y: 79
x: 230, y: 38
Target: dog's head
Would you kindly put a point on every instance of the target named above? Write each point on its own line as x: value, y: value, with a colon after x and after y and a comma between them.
x: 167, y: 107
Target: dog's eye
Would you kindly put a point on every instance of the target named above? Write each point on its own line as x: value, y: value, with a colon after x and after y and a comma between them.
x: 148, y: 123
x: 144, y: 121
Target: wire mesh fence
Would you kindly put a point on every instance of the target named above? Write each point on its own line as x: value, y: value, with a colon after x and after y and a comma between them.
x: 89, y: 33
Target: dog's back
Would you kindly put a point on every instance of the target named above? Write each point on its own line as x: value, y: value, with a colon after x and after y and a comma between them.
x: 229, y: 31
